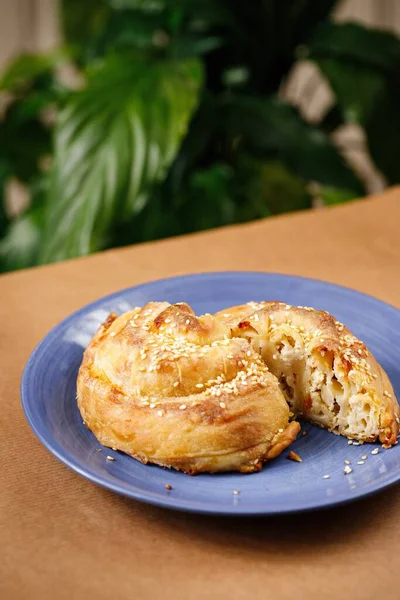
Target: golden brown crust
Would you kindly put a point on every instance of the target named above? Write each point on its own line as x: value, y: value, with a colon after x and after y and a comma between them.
x: 301, y: 338
x: 165, y: 386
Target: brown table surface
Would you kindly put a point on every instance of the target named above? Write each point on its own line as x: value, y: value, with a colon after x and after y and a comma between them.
x: 63, y: 537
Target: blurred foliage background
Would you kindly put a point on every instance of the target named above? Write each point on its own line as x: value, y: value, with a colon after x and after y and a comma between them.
x: 174, y: 118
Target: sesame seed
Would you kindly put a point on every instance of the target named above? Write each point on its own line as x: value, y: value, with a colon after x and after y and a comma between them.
x: 359, y: 351
x: 346, y: 462
x: 222, y: 404
x: 199, y: 385
x: 350, y: 442
x: 182, y: 407
x: 326, y: 477
x: 236, y: 492
x: 160, y: 413
x: 226, y: 315
x: 99, y: 449
x: 360, y: 462
x: 167, y: 320
x: 274, y: 356
x: 187, y: 321
x: 110, y: 458
x: 113, y: 333
x: 356, y: 443
x: 152, y: 405
x: 176, y: 384
x: 364, y: 457
x: 229, y: 356
x: 304, y: 432
x: 168, y: 486
x: 347, y: 470
x: 280, y: 430
x: 248, y: 353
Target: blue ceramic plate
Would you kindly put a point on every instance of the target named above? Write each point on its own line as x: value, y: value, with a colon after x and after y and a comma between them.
x: 48, y: 397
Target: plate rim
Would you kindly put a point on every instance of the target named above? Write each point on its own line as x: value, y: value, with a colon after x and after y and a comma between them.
x: 170, y: 502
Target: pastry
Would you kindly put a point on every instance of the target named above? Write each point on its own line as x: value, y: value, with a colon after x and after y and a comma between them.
x: 170, y: 388
x: 327, y: 375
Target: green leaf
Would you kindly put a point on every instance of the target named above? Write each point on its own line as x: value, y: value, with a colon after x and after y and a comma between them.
x: 26, y: 68
x: 357, y: 88
x: 331, y: 195
x: 362, y: 66
x: 350, y: 42
x: 19, y: 248
x: 4, y: 175
x: 383, y: 133
x: 147, y: 5
x: 28, y: 140
x: 272, y: 128
x: 83, y: 23
x: 268, y: 187
x: 202, y: 129
x: 113, y: 142
x: 209, y: 199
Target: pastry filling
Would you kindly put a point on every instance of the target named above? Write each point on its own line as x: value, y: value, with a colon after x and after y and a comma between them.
x: 333, y: 400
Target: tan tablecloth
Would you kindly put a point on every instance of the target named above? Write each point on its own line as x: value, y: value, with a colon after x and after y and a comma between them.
x: 63, y: 537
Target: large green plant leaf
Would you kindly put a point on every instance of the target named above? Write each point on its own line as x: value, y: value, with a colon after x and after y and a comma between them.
x: 358, y: 44
x: 359, y: 63
x: 357, y: 88
x: 112, y: 143
x: 272, y: 128
x: 363, y: 68
x: 383, y: 133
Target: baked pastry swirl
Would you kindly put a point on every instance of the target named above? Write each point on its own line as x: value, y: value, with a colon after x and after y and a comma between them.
x: 327, y: 375
x: 167, y: 387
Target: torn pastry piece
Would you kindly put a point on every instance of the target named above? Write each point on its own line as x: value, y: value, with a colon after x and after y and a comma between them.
x: 170, y: 388
x: 328, y: 376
